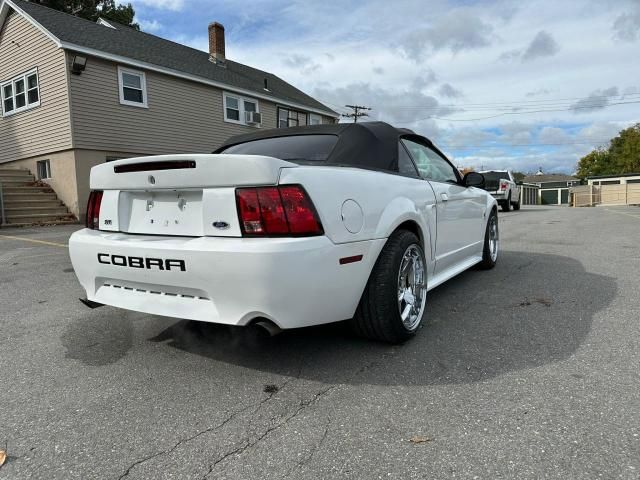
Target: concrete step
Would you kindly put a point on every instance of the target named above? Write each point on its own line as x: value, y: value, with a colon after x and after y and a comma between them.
x: 26, y: 203
x: 31, y: 196
x: 23, y: 189
x: 16, y: 180
x: 14, y: 171
x: 40, y: 218
x: 11, y: 211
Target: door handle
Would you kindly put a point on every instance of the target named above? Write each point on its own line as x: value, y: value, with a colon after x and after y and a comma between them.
x: 444, y: 197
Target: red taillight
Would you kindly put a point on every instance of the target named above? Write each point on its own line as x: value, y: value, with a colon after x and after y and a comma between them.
x: 284, y: 210
x: 93, y: 210
x: 503, y: 186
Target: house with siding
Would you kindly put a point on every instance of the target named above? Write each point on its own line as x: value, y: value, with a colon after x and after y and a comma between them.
x: 77, y: 93
x: 553, y: 189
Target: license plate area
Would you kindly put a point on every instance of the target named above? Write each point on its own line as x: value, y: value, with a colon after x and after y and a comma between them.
x: 161, y: 212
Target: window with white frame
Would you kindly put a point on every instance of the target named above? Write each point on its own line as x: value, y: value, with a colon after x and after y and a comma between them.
x: 133, y: 87
x: 290, y: 118
x: 315, y: 119
x: 241, y: 110
x: 20, y: 93
x: 43, y: 169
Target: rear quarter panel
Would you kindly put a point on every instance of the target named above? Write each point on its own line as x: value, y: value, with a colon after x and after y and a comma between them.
x: 386, y: 201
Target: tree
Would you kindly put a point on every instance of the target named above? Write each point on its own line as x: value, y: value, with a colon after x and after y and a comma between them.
x: 622, y: 156
x: 519, y: 176
x: 94, y: 9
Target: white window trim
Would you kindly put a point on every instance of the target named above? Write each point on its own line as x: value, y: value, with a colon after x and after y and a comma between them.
x: 143, y: 84
x: 241, y: 101
x: 317, y: 117
x: 27, y: 106
x: 47, y: 162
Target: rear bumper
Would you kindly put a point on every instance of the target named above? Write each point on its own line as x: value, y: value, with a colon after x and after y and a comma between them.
x: 499, y: 195
x: 293, y: 282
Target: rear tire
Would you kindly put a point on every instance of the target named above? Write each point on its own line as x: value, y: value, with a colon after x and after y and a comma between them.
x: 379, y: 315
x: 491, y: 249
x: 506, y: 205
x: 516, y: 206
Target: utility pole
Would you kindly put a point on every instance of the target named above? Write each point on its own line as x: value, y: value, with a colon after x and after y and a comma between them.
x: 357, y: 112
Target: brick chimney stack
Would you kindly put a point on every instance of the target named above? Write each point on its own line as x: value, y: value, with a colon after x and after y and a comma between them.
x: 216, y: 42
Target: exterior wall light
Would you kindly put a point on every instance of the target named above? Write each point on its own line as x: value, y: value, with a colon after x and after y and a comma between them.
x: 78, y: 64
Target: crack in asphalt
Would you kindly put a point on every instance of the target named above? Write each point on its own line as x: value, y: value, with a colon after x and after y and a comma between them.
x: 246, y: 444
x: 309, y: 457
x: 200, y: 433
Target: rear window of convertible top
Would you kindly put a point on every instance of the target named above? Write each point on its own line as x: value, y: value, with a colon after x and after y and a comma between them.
x: 295, y: 148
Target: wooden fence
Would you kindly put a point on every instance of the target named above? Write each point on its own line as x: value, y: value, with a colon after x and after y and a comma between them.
x: 591, y: 195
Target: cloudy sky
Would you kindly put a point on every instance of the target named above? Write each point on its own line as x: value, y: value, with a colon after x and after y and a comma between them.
x: 495, y: 84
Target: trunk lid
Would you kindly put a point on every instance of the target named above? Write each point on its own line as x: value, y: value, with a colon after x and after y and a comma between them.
x: 183, y: 195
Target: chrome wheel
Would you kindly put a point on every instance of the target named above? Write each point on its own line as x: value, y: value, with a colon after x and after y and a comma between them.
x: 412, y: 287
x: 494, y: 238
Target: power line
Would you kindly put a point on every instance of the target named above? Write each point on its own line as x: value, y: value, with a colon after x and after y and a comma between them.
x: 521, y: 113
x: 510, y: 103
x: 509, y: 108
x: 508, y: 145
x: 358, y: 111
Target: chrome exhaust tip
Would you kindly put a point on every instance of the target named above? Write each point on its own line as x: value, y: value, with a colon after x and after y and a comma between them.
x: 268, y: 326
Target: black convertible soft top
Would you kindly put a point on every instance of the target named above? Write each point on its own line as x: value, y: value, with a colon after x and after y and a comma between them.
x: 365, y: 145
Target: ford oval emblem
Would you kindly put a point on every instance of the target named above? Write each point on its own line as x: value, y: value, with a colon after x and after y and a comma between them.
x: 221, y: 225
x: 152, y: 179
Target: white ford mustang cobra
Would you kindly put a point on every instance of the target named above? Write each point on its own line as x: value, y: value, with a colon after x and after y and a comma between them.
x: 290, y: 227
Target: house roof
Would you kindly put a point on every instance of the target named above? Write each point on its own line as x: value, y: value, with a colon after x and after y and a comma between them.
x: 620, y: 175
x: 554, y: 177
x: 122, y: 42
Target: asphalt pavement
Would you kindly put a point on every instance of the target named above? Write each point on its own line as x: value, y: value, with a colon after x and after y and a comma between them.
x: 527, y: 371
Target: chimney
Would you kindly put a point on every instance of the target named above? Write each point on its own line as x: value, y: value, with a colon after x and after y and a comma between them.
x: 216, y: 42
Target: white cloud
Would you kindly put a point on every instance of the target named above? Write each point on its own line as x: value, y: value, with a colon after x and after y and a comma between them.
x: 626, y: 26
x: 458, y: 30
x: 543, y: 45
x: 553, y: 135
x: 398, y: 61
x: 173, y: 5
x: 595, y: 101
x: 150, y: 26
x: 446, y: 90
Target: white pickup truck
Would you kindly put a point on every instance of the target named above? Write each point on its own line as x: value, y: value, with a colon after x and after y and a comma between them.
x: 501, y: 184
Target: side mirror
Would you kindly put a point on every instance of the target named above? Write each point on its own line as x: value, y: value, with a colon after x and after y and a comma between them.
x: 473, y: 179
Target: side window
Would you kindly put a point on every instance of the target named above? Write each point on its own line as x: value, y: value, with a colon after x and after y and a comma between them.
x: 241, y: 110
x: 430, y: 165
x: 20, y: 93
x: 315, y: 119
x: 405, y: 165
x: 133, y: 87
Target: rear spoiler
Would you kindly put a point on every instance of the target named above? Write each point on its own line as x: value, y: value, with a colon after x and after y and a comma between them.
x: 148, y: 166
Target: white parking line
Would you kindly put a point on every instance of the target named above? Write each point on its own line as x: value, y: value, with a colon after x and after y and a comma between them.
x: 623, y: 213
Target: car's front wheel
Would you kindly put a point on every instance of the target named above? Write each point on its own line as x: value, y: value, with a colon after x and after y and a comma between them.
x: 394, y: 300
x: 491, y: 243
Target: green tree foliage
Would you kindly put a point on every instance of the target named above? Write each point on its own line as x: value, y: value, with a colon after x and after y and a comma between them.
x: 622, y: 156
x: 94, y: 9
x: 519, y: 176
